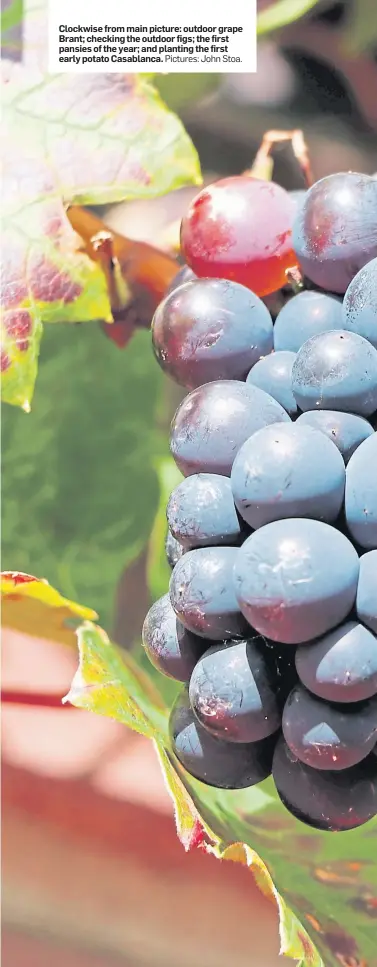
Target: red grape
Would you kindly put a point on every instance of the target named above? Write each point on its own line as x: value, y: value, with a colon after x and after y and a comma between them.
x: 240, y: 229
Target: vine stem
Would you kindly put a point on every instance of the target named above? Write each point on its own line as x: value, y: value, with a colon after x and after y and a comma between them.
x: 41, y: 699
x: 261, y: 167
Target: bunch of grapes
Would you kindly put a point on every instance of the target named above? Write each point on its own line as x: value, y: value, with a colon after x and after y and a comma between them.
x: 270, y: 623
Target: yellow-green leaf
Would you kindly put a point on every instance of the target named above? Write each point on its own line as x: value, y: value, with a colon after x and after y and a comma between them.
x: 109, y: 682
x: 32, y: 606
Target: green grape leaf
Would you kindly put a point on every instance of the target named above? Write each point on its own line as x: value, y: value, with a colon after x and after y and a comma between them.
x: 324, y: 885
x: 108, y: 682
x: 282, y: 12
x: 79, y: 485
x: 32, y: 606
x: 90, y: 140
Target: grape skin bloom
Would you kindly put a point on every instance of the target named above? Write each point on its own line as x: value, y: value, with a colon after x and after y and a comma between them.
x: 213, y: 422
x: 273, y: 374
x: 335, y: 230
x: 341, y: 666
x: 201, y: 511
x: 210, y: 329
x: 336, y: 370
x: 172, y: 649
x: 296, y: 579
x: 221, y: 764
x: 346, y: 430
x: 328, y: 736
x: 361, y: 494
x: 360, y: 303
x: 233, y: 692
x: 334, y: 801
x: 304, y: 316
x: 287, y: 470
x: 202, y: 593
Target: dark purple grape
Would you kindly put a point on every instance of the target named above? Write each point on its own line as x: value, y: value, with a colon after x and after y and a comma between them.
x: 336, y: 371
x: 334, y: 801
x: 287, y: 470
x: 273, y: 374
x: 185, y: 274
x: 361, y: 494
x: 296, y: 579
x: 201, y: 511
x: 172, y: 649
x: 203, y: 596
x: 304, y: 316
x: 360, y: 303
x: 213, y: 422
x: 173, y: 550
x: 366, y: 598
x: 221, y: 764
x: 346, y: 430
x: 335, y: 230
x: 210, y: 329
x: 328, y: 736
x: 341, y: 666
x: 233, y: 692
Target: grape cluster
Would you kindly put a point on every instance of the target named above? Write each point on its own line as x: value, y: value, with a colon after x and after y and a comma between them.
x: 270, y: 623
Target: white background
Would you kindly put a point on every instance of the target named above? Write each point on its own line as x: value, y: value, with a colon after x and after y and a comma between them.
x: 225, y: 13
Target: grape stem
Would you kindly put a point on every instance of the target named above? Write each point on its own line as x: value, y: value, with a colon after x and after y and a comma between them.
x: 137, y: 273
x: 262, y: 166
x: 294, y: 279
x: 119, y: 292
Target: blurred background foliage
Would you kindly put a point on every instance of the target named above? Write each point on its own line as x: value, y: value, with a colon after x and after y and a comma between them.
x: 86, y: 475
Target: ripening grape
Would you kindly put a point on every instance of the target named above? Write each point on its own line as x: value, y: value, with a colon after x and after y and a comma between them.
x: 240, y: 229
x: 273, y: 374
x: 341, y: 666
x: 334, y: 801
x: 287, y: 470
x: 346, y: 430
x: 366, y: 598
x: 360, y: 303
x: 361, y: 494
x: 210, y: 329
x: 172, y: 649
x: 213, y: 422
x: 304, y: 316
x: 221, y: 764
x: 201, y: 512
x: 328, y: 736
x: 233, y: 692
x: 203, y: 596
x: 335, y: 230
x: 296, y: 579
x: 336, y: 370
